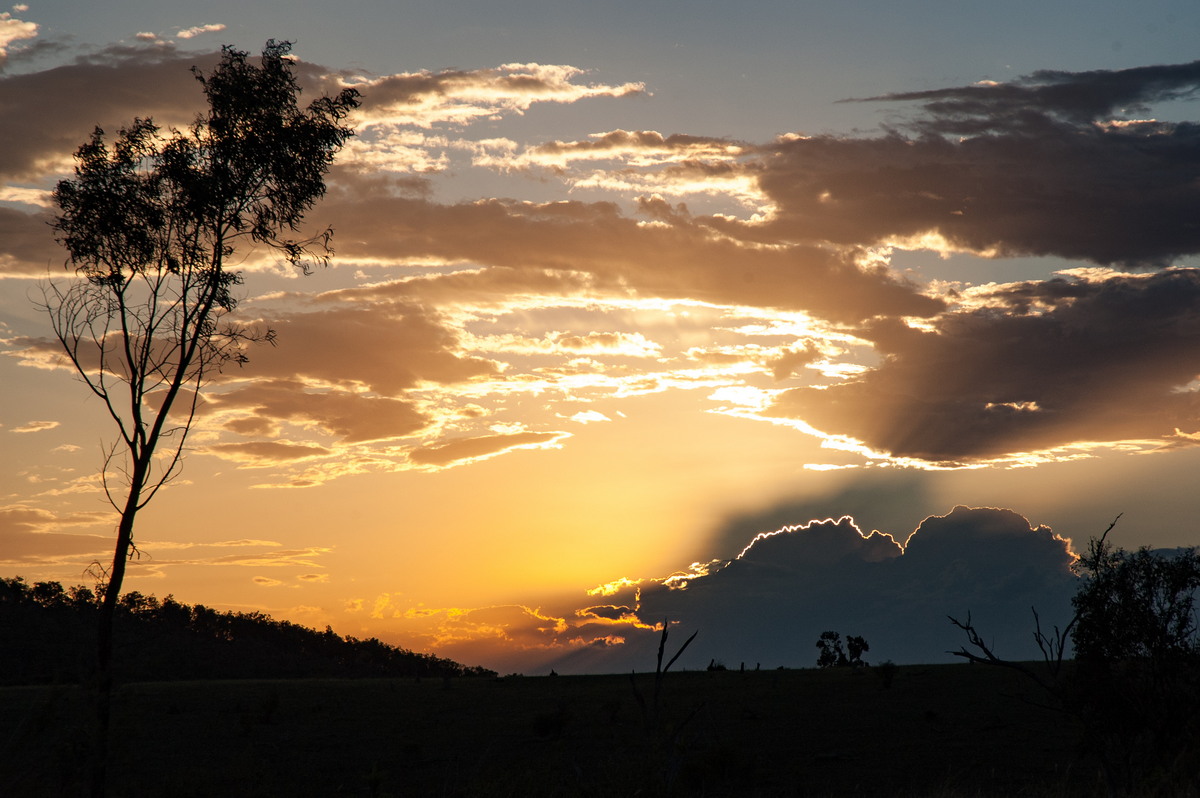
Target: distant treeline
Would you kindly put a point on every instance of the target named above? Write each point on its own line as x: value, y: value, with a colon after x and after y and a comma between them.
x: 48, y: 633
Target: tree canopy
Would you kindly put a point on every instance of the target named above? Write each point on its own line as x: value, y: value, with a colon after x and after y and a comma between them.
x: 151, y: 224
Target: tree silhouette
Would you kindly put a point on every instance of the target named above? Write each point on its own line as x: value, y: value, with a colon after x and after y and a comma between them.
x: 834, y: 656
x: 46, y: 629
x: 857, y: 646
x: 1137, y: 649
x: 1135, y: 684
x: 150, y: 226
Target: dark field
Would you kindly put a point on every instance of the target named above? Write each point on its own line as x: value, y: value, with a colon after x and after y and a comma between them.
x: 938, y: 730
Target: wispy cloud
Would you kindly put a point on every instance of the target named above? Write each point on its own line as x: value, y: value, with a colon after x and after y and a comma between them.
x: 478, y: 448
x: 193, y: 32
x: 36, y: 426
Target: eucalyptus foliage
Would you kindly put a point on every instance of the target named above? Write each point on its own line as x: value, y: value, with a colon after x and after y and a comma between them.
x: 152, y: 224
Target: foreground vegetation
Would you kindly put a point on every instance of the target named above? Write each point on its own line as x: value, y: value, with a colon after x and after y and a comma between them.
x: 49, y: 635
x: 936, y: 731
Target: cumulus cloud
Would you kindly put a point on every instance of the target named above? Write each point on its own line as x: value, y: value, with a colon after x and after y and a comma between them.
x: 770, y: 603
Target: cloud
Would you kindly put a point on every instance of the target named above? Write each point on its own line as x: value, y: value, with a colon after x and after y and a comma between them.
x: 769, y: 604
x: 505, y: 637
x: 36, y: 426
x: 191, y: 33
x: 28, y: 245
x: 482, y: 447
x: 14, y: 30
x: 1032, y: 100
x: 642, y: 161
x: 266, y: 453
x: 379, y: 346
x: 1038, y: 166
x: 1092, y: 358
x: 431, y: 351
x: 460, y: 97
x: 688, y: 258
x: 349, y: 416
x: 591, y: 343
x: 302, y: 557
x: 892, y: 502
x: 589, y: 416
x: 33, y: 537
x: 107, y: 89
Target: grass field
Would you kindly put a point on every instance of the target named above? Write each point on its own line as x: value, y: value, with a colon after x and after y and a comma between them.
x: 937, y: 730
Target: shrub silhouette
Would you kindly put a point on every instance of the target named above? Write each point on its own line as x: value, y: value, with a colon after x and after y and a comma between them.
x: 886, y: 671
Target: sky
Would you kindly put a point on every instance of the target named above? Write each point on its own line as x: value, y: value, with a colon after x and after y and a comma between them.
x: 762, y: 321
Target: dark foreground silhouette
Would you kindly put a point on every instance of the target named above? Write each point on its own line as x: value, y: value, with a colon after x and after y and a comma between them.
x: 209, y: 703
x: 936, y: 731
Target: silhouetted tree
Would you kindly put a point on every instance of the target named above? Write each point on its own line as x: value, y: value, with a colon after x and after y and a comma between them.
x: 1138, y: 656
x: 1135, y: 686
x: 857, y: 646
x: 1137, y: 605
x: 150, y: 226
x: 834, y: 656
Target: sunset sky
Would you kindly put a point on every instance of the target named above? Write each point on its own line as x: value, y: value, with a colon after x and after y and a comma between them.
x: 625, y: 295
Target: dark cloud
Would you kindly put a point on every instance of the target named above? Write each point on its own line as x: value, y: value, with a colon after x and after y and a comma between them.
x: 46, y: 115
x: 1077, y: 97
x: 770, y: 605
x: 1055, y: 363
x: 1030, y: 167
x: 29, y: 247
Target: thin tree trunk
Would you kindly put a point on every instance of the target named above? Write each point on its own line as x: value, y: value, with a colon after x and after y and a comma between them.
x: 104, y: 647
